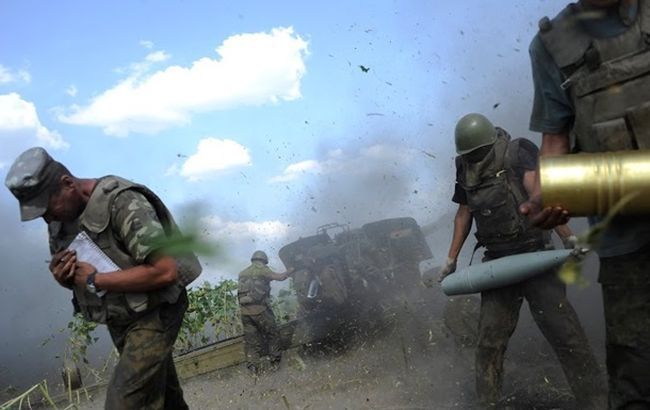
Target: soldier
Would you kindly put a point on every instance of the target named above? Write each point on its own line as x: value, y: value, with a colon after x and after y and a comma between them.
x: 494, y: 175
x: 592, y: 94
x: 261, y: 336
x: 143, y: 302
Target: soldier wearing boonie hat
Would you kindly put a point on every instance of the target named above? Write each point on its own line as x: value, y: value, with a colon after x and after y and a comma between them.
x: 144, y: 301
x: 31, y: 179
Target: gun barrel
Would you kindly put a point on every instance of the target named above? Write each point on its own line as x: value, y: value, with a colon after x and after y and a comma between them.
x: 591, y: 184
x: 502, y: 272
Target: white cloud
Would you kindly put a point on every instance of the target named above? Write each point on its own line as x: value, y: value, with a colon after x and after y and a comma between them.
x: 18, y: 115
x: 237, y: 231
x: 25, y: 76
x: 298, y: 169
x: 140, y: 69
x: 240, y: 238
x: 337, y: 161
x: 157, y: 57
x: 174, y: 169
x: 5, y: 75
x: 251, y: 69
x: 212, y: 156
x: 9, y: 76
x: 146, y: 44
x: 71, y: 91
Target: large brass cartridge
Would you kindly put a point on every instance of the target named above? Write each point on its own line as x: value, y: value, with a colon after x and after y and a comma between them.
x: 591, y: 184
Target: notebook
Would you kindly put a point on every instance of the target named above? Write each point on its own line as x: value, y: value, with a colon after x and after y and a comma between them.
x: 88, y: 251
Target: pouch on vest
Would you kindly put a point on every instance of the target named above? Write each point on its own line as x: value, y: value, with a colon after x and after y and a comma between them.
x: 244, y: 299
x: 252, y: 291
x: 492, y: 207
x: 611, y: 136
x: 90, y: 305
x: 639, y: 119
x: 189, y: 268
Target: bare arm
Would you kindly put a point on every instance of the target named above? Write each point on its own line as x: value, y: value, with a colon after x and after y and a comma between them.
x: 546, y: 218
x: 462, y: 226
x: 555, y: 144
x: 563, y: 231
x: 277, y: 276
x: 161, y: 272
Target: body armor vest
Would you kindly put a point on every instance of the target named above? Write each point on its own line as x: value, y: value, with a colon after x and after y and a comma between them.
x: 96, y: 221
x: 494, y: 194
x: 254, y: 288
x: 608, y: 80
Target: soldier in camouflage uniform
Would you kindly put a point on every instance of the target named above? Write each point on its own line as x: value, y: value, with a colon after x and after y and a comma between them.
x: 261, y: 336
x: 143, y: 302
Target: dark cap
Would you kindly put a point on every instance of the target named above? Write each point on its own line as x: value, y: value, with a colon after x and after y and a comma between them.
x: 32, y: 178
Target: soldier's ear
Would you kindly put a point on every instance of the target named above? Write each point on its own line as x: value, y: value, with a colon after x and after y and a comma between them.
x: 66, y: 182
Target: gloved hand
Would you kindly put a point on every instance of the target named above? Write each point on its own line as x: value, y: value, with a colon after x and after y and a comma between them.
x: 573, y: 243
x: 447, y: 269
x: 570, y: 242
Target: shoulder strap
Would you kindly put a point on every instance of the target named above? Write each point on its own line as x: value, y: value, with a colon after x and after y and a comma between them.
x: 564, y: 38
x: 97, y: 215
x: 511, y: 157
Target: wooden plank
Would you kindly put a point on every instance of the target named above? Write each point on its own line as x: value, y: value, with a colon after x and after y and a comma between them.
x: 218, y: 356
x: 223, y: 354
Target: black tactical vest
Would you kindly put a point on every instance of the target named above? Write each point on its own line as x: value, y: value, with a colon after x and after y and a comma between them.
x: 608, y: 80
x: 494, y: 194
x: 96, y: 222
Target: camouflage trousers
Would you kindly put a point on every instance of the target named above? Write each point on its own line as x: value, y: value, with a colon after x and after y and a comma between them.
x: 145, y: 376
x: 627, y: 323
x: 261, y: 337
x: 555, y: 317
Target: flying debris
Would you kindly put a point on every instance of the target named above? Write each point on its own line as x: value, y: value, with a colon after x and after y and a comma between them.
x: 494, y: 107
x: 364, y: 68
x: 428, y: 154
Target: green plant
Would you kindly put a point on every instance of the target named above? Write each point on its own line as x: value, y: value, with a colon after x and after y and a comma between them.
x: 80, y: 338
x: 285, y: 306
x: 571, y: 271
x: 213, y: 313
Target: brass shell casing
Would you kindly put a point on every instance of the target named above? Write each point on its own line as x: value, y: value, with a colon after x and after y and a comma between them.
x: 591, y: 184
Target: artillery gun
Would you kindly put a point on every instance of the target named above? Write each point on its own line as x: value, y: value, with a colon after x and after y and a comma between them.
x: 345, y: 278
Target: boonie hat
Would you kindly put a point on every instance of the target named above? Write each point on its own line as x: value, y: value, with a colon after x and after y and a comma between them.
x: 31, y: 179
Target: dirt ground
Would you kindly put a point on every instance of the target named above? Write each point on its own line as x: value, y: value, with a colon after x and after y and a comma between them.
x: 411, y: 361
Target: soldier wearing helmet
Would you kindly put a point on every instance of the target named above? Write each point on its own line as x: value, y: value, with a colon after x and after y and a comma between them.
x: 592, y: 94
x: 261, y: 336
x: 494, y: 175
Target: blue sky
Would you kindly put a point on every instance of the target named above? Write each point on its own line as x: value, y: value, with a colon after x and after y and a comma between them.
x: 258, y: 111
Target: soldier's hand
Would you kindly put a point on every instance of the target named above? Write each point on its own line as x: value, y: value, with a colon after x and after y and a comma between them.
x: 447, y: 269
x: 62, y: 267
x: 83, y: 269
x: 544, y: 217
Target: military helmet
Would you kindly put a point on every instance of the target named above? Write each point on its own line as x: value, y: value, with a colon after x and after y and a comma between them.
x: 474, y: 131
x: 260, y: 256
